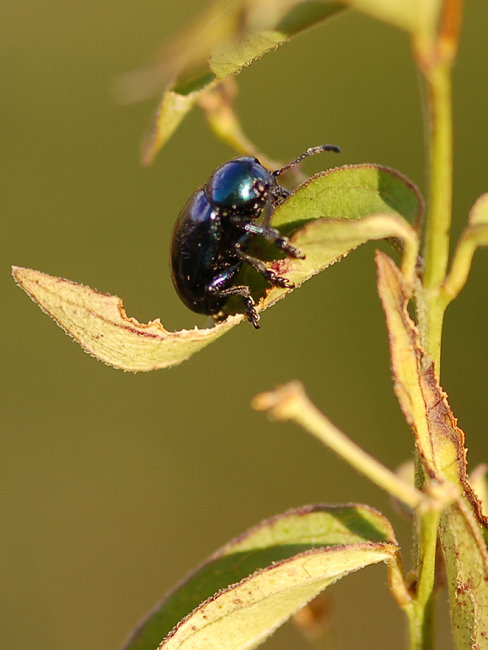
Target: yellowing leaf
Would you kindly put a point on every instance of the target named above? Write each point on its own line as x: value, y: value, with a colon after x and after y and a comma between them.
x: 253, y: 584
x: 422, y: 400
x: 441, y: 446
x: 414, y: 16
x: 325, y: 241
x: 100, y: 325
x: 243, y: 615
x: 169, y: 115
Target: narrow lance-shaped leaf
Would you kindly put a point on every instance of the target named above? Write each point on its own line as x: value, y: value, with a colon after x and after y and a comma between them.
x: 223, y: 40
x: 219, y: 43
x: 441, y: 446
x: 99, y: 323
x: 424, y: 403
x: 256, y: 582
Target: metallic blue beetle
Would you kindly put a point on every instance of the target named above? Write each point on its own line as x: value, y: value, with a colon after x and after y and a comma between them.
x: 215, y: 227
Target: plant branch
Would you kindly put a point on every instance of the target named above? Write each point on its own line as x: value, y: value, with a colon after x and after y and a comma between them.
x: 472, y: 238
x: 290, y: 402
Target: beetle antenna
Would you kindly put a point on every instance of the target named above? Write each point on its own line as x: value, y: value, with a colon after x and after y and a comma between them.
x: 310, y: 152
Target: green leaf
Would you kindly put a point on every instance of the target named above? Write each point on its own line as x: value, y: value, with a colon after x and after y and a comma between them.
x: 352, y: 192
x: 256, y: 582
x: 99, y: 323
x: 218, y: 44
x: 335, y: 212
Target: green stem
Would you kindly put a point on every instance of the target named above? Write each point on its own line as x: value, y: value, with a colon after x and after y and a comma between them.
x: 436, y: 251
x: 425, y: 596
x: 474, y: 235
x: 436, y: 248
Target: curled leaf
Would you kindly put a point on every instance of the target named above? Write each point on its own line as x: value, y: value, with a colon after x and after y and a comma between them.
x: 99, y: 323
x: 424, y: 403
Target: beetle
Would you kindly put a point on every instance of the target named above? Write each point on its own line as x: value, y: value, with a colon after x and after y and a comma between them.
x: 215, y: 227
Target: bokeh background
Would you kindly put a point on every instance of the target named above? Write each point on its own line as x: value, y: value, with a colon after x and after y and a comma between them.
x: 114, y: 485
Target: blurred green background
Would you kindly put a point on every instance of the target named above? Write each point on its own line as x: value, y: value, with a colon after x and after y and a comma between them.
x: 114, y: 485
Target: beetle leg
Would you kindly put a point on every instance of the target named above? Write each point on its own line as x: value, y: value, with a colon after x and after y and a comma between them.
x: 245, y: 293
x: 277, y: 196
x: 271, y: 234
x: 215, y: 293
x: 260, y: 267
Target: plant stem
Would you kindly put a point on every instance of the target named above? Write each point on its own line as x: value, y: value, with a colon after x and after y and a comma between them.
x: 424, y: 601
x: 435, y: 63
x: 431, y: 305
x: 437, y: 76
x: 436, y: 252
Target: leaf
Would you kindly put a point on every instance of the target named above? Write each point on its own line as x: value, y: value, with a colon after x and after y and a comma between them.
x: 479, y: 482
x: 423, y: 402
x: 218, y: 44
x: 252, y: 585
x: 325, y: 241
x: 99, y: 323
x: 441, y: 446
x: 221, y: 42
x: 466, y: 560
x: 410, y: 15
x: 352, y: 192
x: 171, y: 111
x: 338, y: 210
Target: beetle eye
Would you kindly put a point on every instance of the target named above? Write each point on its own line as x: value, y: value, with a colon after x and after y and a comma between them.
x: 260, y: 188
